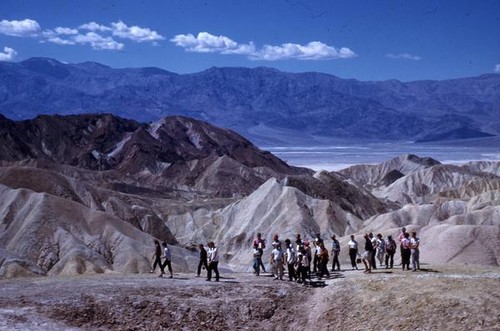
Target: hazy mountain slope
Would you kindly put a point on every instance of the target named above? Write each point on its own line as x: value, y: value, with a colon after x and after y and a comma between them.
x: 455, y: 209
x: 380, y: 174
x: 450, y: 232
x: 412, y: 179
x: 484, y: 166
x: 424, y: 185
x: 249, y: 100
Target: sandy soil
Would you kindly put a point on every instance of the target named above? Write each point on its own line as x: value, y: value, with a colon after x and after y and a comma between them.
x: 436, y: 298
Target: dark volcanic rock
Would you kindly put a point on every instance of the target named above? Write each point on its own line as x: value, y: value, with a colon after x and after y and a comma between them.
x: 175, y: 152
x: 391, y: 177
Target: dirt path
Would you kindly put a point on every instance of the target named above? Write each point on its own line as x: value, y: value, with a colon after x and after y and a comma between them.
x: 444, y: 298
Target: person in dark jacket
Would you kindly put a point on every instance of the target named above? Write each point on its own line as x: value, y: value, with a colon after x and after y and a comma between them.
x: 157, y: 257
x: 203, y: 260
x: 368, y: 254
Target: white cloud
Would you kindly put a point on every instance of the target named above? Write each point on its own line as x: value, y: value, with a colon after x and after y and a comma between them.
x: 96, y: 35
x: 135, y: 33
x: 97, y: 41
x: 59, y: 41
x: 208, y: 43
x: 22, y: 28
x: 8, y: 54
x: 315, y: 50
x: 497, y: 68
x: 404, y: 56
x: 93, y: 26
x: 65, y: 31
x: 205, y: 42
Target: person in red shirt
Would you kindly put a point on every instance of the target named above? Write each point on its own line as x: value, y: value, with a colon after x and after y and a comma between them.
x: 261, y: 244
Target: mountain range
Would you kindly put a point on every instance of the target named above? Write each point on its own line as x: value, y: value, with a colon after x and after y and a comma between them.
x: 265, y: 105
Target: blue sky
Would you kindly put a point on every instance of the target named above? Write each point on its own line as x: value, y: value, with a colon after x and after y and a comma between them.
x: 364, y: 40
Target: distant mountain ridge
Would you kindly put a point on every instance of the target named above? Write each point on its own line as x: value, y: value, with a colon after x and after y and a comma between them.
x: 263, y: 104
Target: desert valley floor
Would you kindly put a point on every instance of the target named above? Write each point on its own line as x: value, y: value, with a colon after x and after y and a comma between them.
x: 435, y: 298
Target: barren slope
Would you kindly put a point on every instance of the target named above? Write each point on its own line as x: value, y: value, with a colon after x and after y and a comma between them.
x: 440, y: 298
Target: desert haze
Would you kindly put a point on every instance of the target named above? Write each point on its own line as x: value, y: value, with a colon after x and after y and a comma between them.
x: 82, y: 197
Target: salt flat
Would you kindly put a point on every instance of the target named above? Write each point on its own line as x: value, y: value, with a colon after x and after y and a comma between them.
x: 339, y: 156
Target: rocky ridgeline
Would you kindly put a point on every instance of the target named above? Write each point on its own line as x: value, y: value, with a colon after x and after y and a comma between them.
x: 89, y: 193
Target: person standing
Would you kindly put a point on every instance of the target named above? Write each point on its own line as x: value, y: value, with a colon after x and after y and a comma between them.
x: 335, y: 253
x: 390, y: 250
x: 157, y: 258
x: 405, y: 251
x: 368, y: 254
x: 261, y: 244
x: 299, y: 242
x: 213, y: 261
x: 290, y: 257
x: 323, y: 261
x: 317, y: 253
x: 167, y: 254
x: 307, y: 249
x: 277, y: 261
x: 353, y: 252
x: 414, y: 251
x: 401, y: 237
x: 203, y: 259
x: 257, y: 259
x: 276, y: 241
x: 380, y: 249
x: 374, y: 241
x: 303, y: 265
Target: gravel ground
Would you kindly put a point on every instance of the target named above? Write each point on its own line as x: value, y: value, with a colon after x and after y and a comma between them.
x: 435, y: 298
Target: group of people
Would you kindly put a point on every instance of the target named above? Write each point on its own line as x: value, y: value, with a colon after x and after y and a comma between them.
x: 158, y: 255
x: 209, y: 259
x: 300, y: 259
x: 383, y: 250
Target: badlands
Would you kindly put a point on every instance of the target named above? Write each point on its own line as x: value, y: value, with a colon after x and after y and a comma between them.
x: 83, y: 197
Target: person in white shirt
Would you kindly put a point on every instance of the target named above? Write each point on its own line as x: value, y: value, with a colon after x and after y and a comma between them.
x: 380, y: 249
x: 168, y: 259
x: 290, y: 260
x: 415, y: 252
x: 277, y: 261
x: 317, y: 252
x: 257, y: 259
x: 353, y: 252
x: 373, y: 260
x: 213, y: 261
